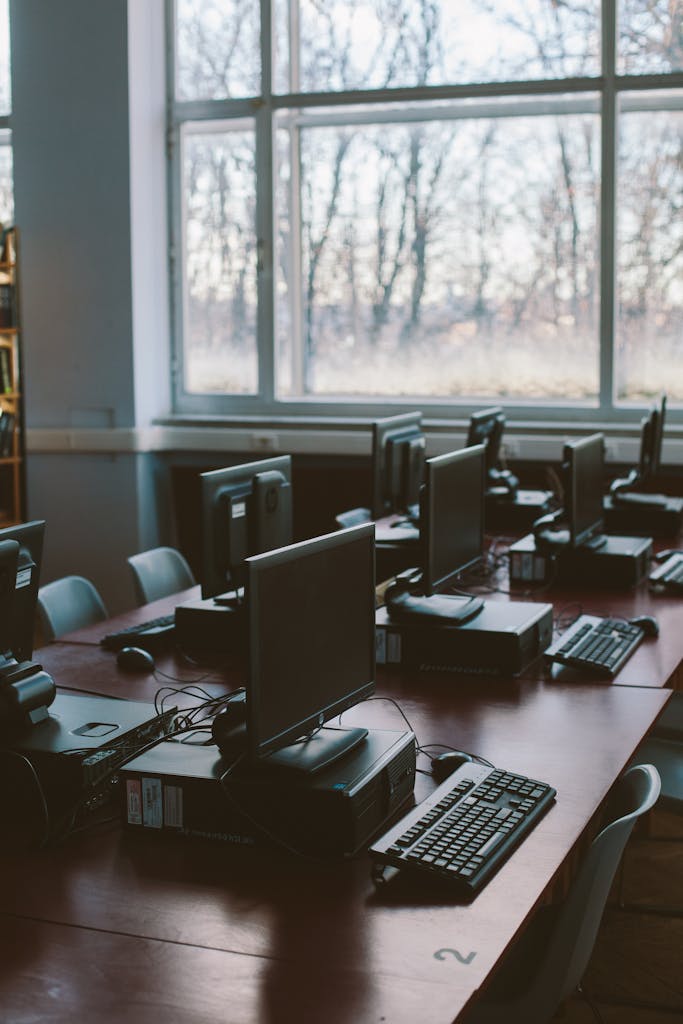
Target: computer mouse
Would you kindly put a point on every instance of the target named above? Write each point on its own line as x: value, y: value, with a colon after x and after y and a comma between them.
x: 647, y: 623
x: 134, y: 659
x: 445, y: 764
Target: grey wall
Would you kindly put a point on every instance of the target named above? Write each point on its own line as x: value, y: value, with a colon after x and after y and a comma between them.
x: 95, y: 342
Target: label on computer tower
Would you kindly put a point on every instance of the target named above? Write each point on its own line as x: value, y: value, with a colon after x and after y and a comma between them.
x: 173, y: 806
x: 152, y: 807
x: 134, y: 802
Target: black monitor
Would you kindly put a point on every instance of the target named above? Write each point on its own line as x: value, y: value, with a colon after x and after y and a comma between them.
x: 311, y: 610
x: 246, y: 509
x: 486, y: 427
x: 29, y: 537
x: 651, y: 438
x: 584, y: 471
x: 452, y: 515
x: 398, y: 454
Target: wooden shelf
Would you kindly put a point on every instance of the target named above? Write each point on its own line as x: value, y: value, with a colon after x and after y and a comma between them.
x: 11, y: 410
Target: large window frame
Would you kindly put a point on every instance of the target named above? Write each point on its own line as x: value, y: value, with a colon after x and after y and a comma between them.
x: 574, y: 93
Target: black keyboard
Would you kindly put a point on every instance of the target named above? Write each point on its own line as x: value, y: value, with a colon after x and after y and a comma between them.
x: 466, y: 829
x: 599, y: 646
x: 150, y: 635
x: 669, y: 575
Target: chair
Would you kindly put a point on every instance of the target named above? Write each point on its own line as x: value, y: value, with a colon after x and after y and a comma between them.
x: 546, y: 965
x: 158, y: 573
x: 66, y: 604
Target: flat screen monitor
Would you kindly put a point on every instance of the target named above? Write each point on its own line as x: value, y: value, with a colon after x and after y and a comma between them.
x: 246, y: 509
x: 452, y: 515
x: 29, y: 537
x: 311, y: 610
x: 486, y: 427
x: 651, y: 438
x: 584, y: 468
x: 398, y: 454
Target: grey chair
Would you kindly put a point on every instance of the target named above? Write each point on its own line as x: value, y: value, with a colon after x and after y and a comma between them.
x: 546, y: 965
x: 66, y: 604
x: 158, y: 573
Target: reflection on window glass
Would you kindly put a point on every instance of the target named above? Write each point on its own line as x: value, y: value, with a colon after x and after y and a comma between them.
x: 362, y: 44
x: 650, y: 36
x: 5, y: 91
x: 217, y: 49
x: 220, y: 262
x: 649, y: 351
x: 442, y: 258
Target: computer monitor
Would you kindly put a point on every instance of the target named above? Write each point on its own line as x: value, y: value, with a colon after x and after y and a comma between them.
x: 29, y: 537
x: 311, y: 611
x: 651, y: 438
x: 584, y: 471
x: 486, y: 427
x: 398, y: 454
x: 452, y: 515
x: 246, y: 509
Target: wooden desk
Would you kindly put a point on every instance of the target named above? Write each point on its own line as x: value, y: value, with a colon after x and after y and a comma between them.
x: 111, y: 926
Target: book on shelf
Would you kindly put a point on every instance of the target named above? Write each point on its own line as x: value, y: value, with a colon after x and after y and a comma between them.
x: 6, y: 382
x: 8, y: 245
x: 7, y: 421
x: 6, y: 302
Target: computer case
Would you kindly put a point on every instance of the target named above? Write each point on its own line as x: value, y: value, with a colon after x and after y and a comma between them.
x: 663, y: 518
x: 205, y: 626
x: 621, y: 562
x: 502, y: 639
x: 175, y: 788
x: 515, y: 512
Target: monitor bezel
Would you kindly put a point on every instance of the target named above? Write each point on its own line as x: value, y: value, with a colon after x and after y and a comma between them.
x: 212, y: 484
x: 428, y: 512
x: 258, y: 746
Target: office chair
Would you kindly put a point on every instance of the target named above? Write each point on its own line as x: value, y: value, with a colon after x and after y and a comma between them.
x: 66, y: 604
x: 158, y: 573
x: 547, y: 963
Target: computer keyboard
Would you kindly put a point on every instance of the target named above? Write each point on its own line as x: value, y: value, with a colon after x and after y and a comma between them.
x: 466, y: 829
x: 150, y: 635
x: 597, y: 645
x: 668, y: 575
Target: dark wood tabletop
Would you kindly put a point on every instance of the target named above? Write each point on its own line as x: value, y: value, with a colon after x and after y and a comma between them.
x: 110, y: 925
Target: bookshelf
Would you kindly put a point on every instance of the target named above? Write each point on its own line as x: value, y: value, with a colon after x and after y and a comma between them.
x: 11, y: 412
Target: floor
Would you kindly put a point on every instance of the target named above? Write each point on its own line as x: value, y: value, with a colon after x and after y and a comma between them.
x: 636, y: 972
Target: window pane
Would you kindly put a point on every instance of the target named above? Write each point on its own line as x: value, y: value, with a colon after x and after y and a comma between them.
x: 220, y: 261
x: 217, y: 49
x: 649, y: 351
x: 650, y: 36
x: 452, y: 257
x: 362, y: 44
x: 5, y: 87
x: 6, y: 182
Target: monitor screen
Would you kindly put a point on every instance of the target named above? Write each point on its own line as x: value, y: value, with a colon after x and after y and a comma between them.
x: 398, y: 452
x: 486, y: 427
x: 246, y: 509
x: 29, y: 537
x: 311, y: 610
x: 584, y: 466
x: 452, y: 515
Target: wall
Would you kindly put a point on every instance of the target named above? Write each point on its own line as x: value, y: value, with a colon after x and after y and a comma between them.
x: 93, y: 269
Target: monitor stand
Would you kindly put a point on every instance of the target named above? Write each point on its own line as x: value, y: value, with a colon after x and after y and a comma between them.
x: 316, y: 752
x: 231, y: 599
x: 448, y: 608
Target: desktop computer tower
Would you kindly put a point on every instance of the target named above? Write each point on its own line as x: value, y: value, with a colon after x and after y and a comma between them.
x: 621, y: 562
x: 504, y: 512
x: 175, y: 788
x: 502, y: 639
x: 663, y: 519
x: 206, y: 627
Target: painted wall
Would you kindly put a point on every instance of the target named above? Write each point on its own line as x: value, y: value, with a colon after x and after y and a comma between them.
x: 88, y: 109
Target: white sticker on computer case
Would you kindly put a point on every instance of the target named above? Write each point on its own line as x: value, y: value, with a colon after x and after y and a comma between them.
x: 24, y: 577
x: 134, y: 802
x: 152, y: 807
x: 173, y: 806
x: 239, y: 509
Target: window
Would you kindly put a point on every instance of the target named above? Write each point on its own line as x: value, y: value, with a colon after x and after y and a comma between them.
x: 6, y: 187
x: 417, y: 201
